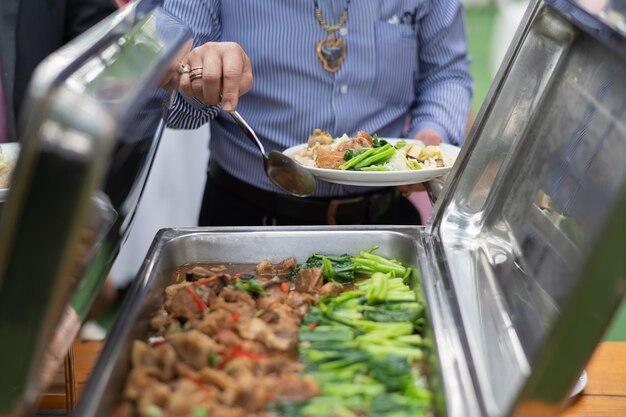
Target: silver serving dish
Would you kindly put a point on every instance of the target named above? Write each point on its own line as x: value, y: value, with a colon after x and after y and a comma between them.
x: 94, y: 116
x: 176, y: 247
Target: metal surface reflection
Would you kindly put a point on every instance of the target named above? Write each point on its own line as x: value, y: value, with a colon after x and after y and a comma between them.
x: 528, y: 223
x: 95, y: 116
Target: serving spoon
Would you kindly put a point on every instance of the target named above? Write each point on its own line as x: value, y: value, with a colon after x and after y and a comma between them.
x: 283, y: 171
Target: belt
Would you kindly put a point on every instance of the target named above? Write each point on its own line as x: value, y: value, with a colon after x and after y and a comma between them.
x: 353, y: 209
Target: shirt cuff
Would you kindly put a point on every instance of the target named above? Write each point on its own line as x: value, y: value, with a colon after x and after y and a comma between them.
x: 419, y: 126
x: 197, y: 104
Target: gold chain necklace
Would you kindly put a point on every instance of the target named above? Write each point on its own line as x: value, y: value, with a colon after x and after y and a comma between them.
x: 331, y: 51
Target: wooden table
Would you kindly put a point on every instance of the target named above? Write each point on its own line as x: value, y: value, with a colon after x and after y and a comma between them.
x: 604, y: 395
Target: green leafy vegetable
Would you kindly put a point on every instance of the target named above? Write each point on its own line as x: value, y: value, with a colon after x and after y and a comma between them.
x: 349, y: 154
x: 363, y: 345
x: 251, y: 286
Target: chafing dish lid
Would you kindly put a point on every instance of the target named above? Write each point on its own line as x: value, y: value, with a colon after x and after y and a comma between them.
x: 531, y: 224
x: 94, y: 117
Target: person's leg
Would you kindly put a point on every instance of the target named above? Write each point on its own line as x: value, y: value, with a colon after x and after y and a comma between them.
x: 221, y: 207
x: 402, y: 211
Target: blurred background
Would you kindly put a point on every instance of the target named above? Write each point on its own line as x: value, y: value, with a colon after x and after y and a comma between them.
x: 174, y: 190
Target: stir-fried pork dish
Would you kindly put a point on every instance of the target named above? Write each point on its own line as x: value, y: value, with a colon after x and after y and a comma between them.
x: 228, y: 344
x: 364, y: 152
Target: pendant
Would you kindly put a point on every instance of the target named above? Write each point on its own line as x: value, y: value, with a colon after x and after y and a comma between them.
x: 331, y: 52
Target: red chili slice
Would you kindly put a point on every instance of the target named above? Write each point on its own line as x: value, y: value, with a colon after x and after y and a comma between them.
x: 284, y: 287
x: 196, y: 299
x: 198, y: 383
x: 206, y: 281
x: 235, y: 316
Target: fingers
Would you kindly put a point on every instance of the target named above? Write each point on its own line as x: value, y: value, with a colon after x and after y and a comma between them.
x: 407, y: 190
x: 226, y: 74
x: 211, y: 82
x: 233, y: 71
x: 195, y: 83
x: 429, y: 137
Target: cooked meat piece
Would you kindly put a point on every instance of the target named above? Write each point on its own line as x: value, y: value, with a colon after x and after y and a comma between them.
x: 160, y: 359
x: 254, y: 347
x: 232, y: 296
x: 227, y: 338
x: 280, y: 363
x: 269, y: 316
x: 182, y: 369
x: 248, y: 393
x: 329, y: 159
x: 229, y: 412
x: 293, y: 387
x: 238, y: 309
x: 138, y: 380
x: 215, y: 377
x: 206, y: 294
x: 198, y: 272
x: 365, y: 138
x: 287, y: 328
x: 215, y: 322
x: 309, y: 280
x: 361, y: 140
x: 321, y: 137
x: 125, y: 409
x: 331, y: 288
x: 252, y: 329
x: 284, y: 267
x: 192, y: 347
x: 174, y: 289
x: 161, y: 321
x: 272, y: 296
x: 157, y: 394
x: 183, y: 305
x: 300, y: 302
x: 188, y: 395
x: 265, y: 268
x: 257, y: 329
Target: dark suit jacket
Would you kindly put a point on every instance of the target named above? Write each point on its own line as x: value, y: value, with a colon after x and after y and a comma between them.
x: 30, y: 30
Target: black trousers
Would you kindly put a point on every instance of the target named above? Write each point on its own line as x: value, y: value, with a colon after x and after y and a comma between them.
x: 229, y: 202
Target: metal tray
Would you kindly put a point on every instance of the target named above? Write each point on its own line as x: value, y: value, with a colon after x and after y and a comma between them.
x: 176, y: 247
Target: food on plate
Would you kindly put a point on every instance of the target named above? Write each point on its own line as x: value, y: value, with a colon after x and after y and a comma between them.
x: 337, y: 335
x: 7, y: 163
x: 369, y: 153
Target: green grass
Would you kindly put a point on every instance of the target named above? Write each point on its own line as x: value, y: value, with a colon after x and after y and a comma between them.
x: 617, y: 330
x: 479, y: 26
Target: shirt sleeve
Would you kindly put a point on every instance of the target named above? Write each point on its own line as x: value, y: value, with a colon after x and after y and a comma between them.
x: 203, y: 18
x: 443, y: 86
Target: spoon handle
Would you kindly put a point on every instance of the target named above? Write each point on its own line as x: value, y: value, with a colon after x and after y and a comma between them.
x: 248, y: 130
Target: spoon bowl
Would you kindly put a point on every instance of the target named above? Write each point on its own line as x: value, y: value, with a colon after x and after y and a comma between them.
x: 283, y: 171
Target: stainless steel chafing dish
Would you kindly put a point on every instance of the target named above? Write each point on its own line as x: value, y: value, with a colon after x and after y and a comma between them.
x: 522, y: 259
x: 95, y: 113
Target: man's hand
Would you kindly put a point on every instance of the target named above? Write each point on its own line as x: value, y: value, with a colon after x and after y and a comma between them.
x: 217, y: 73
x: 429, y: 137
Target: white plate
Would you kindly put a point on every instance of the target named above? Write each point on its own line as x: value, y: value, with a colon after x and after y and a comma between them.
x: 379, y: 178
x: 10, y: 151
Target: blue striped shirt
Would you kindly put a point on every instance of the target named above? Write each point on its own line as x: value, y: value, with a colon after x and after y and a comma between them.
x: 391, y: 71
